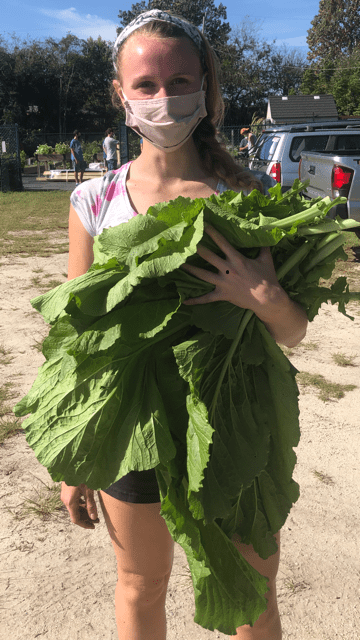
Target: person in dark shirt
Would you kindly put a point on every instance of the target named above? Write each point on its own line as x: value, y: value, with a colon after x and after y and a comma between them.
x: 77, y: 158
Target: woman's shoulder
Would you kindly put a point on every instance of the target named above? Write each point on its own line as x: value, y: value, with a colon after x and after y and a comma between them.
x: 93, y: 201
x: 99, y: 186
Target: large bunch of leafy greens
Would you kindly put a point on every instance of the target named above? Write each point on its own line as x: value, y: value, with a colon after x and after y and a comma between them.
x: 135, y: 380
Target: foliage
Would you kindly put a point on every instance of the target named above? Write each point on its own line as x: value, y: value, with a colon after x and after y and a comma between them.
x: 253, y: 69
x: 62, y: 147
x: 22, y: 158
x: 334, y: 52
x: 335, y: 30
x: 56, y: 85
x: 339, y: 77
x: 44, y: 149
x: 90, y: 148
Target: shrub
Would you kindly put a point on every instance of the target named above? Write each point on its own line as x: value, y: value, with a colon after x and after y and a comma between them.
x: 44, y: 149
x: 22, y: 158
x: 62, y: 147
x: 89, y: 148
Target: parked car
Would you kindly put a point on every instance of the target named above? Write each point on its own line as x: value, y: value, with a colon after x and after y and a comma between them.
x: 335, y: 175
x: 277, y: 152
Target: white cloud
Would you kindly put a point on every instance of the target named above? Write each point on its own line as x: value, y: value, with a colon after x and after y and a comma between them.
x: 81, y: 25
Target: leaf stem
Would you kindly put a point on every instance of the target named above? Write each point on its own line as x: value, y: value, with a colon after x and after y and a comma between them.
x: 294, y: 259
x: 244, y: 322
x: 325, y: 252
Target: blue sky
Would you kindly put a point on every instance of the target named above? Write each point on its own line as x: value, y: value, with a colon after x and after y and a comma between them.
x: 278, y: 20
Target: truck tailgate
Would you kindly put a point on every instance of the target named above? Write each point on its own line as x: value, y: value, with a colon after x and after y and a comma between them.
x: 320, y: 168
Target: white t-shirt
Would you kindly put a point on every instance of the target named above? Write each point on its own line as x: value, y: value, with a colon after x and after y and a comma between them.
x: 104, y: 202
x: 110, y: 148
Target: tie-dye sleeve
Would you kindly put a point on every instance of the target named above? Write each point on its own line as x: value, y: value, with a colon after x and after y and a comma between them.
x: 86, y: 200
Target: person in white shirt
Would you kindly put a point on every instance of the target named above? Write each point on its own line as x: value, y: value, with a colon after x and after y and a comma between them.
x: 110, y: 146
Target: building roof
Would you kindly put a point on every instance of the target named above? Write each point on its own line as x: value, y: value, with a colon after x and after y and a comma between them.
x: 300, y: 108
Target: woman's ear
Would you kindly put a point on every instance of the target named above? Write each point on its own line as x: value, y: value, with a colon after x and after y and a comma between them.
x: 118, y: 89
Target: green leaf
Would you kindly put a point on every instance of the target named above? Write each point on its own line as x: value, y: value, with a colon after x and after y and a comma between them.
x: 228, y: 591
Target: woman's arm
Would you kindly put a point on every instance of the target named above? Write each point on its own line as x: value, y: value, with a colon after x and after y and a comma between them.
x: 81, y: 254
x: 251, y: 284
x: 79, y: 501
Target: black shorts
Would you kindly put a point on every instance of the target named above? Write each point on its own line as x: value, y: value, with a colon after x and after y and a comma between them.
x: 137, y: 486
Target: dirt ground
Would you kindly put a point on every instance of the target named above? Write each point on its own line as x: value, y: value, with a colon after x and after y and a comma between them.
x: 57, y: 580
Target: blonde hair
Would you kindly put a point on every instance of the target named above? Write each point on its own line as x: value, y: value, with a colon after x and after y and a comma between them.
x: 215, y: 159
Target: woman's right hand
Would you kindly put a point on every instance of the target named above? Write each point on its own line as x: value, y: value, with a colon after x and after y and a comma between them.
x: 80, y: 503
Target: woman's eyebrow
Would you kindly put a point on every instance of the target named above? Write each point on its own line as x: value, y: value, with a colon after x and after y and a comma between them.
x: 149, y: 76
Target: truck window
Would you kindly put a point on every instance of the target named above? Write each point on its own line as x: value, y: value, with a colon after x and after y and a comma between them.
x: 307, y: 143
x: 344, y: 143
x: 267, y: 147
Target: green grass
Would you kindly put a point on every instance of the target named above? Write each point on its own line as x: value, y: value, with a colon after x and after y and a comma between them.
x: 342, y: 360
x: 327, y: 390
x: 43, y: 284
x: 45, y: 503
x: 295, y: 587
x: 325, y: 479
x: 30, y: 222
x: 6, y: 394
x: 9, y: 427
x: 307, y: 346
x: 5, y: 357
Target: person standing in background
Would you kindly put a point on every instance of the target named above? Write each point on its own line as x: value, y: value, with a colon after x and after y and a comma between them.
x: 248, y: 142
x: 110, y: 146
x: 104, y: 150
x: 77, y: 158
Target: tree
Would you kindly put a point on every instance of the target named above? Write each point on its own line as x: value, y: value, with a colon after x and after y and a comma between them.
x: 334, y: 43
x: 216, y: 29
x: 335, y: 29
x: 253, y: 70
x: 96, y: 72
x: 56, y: 85
x: 339, y: 77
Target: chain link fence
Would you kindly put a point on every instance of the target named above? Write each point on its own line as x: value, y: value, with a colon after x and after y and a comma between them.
x: 10, y: 165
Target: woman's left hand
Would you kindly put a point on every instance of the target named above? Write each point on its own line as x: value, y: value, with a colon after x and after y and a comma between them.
x: 247, y: 283
x: 250, y: 284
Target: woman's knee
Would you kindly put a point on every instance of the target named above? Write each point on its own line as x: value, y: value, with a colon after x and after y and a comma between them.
x: 268, y: 567
x: 142, y: 590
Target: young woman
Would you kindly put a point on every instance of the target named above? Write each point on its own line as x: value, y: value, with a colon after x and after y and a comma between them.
x: 166, y: 80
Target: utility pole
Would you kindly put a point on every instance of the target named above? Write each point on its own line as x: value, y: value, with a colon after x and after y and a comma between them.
x: 203, y: 23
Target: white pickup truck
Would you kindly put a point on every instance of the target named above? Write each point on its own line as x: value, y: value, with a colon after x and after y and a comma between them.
x: 333, y: 174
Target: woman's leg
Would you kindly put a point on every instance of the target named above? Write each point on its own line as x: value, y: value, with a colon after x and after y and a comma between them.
x: 144, y: 551
x: 268, y: 626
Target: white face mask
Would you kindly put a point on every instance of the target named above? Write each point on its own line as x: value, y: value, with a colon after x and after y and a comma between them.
x: 166, y: 122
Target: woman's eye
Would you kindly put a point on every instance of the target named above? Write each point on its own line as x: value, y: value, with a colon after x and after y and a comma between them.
x: 180, y: 81
x: 145, y: 85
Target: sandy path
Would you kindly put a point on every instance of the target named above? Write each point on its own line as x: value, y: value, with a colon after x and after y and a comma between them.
x: 57, y: 580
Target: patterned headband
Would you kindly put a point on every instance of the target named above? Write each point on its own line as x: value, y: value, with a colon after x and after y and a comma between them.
x: 162, y: 16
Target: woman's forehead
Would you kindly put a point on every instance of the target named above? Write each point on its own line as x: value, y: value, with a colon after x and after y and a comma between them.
x: 149, y: 55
